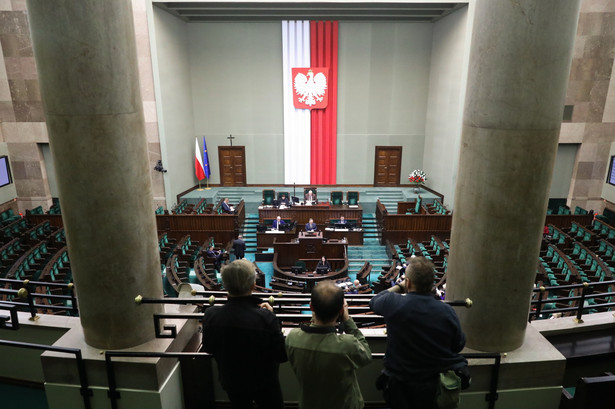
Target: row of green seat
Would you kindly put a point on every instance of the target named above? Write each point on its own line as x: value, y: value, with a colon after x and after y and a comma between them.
x: 13, y: 230
x: 8, y: 216
x: 439, y: 207
x: 55, y: 209
x: 9, y: 253
x: 557, y: 235
x: 579, y: 232
x: 60, y: 270
x: 181, y: 207
x: 159, y: 210
x: 560, y: 210
x: 201, y: 207
x: 603, y: 229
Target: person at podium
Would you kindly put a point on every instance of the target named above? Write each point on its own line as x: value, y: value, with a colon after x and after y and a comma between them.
x: 311, y: 226
x: 278, y: 224
x: 323, y: 265
x: 284, y: 200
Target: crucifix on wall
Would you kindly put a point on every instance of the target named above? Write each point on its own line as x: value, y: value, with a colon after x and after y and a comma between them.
x: 230, y: 138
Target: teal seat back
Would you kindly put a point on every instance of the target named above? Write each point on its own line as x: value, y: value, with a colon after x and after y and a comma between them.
x: 268, y: 197
x: 337, y: 198
x: 353, y: 198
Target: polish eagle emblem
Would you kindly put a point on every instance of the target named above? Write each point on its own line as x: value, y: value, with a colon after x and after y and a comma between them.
x: 310, y: 87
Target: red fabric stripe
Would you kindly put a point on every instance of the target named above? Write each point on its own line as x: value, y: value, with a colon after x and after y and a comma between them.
x: 323, y: 53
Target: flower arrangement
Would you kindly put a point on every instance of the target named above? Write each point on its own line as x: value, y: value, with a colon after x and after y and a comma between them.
x: 417, y: 176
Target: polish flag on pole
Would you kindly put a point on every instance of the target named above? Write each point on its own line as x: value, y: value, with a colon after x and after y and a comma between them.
x: 198, y: 161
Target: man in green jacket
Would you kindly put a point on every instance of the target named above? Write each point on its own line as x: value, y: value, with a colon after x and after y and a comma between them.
x: 325, y: 362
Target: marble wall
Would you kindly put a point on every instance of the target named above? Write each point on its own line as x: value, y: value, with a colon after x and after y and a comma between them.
x: 591, y: 92
x: 22, y: 120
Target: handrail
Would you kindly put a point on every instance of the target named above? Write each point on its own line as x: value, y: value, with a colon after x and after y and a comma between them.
x: 580, y: 308
x: 24, y: 292
x: 114, y: 395
x: 83, y: 377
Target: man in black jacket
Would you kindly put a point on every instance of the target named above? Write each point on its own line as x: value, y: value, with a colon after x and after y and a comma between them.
x: 239, y: 247
x: 246, y: 340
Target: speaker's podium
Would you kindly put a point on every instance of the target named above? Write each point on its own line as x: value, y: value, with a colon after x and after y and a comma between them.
x: 310, y: 235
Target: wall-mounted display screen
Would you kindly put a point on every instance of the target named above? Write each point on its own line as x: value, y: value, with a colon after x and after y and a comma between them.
x: 5, y: 171
x: 610, y: 177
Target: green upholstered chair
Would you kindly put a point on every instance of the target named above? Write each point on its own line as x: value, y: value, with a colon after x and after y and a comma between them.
x: 337, y: 197
x: 352, y: 198
x: 268, y: 197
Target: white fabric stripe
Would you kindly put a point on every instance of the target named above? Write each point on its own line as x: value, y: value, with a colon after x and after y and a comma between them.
x: 295, y: 53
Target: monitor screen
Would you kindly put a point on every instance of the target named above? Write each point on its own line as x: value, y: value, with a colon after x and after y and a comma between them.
x: 295, y: 199
x: 341, y: 225
x: 322, y: 270
x: 296, y: 269
x: 352, y: 224
x: 610, y: 177
x: 5, y: 171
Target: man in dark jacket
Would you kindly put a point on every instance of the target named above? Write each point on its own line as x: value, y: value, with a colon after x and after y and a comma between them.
x: 239, y: 247
x: 424, y: 338
x: 246, y: 340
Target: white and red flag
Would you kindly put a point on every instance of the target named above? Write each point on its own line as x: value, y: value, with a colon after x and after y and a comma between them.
x: 199, y: 169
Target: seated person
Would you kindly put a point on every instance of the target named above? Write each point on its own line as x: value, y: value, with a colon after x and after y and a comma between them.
x: 311, y: 226
x: 226, y: 207
x: 323, y: 263
x: 342, y: 220
x: 310, y: 197
x: 215, y: 254
x: 278, y: 224
x: 284, y: 200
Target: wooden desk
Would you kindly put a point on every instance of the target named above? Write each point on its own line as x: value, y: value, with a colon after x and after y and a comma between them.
x: 321, y: 213
x: 266, y: 239
x: 354, y: 237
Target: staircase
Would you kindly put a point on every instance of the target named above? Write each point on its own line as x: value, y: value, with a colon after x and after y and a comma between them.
x: 249, y: 232
x: 389, y: 198
x: 371, y: 250
x: 234, y: 196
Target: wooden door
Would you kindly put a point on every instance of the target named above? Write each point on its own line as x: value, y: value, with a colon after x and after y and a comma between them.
x: 232, y: 161
x: 387, y: 169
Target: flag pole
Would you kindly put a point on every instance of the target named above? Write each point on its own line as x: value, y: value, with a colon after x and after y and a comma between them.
x: 200, y: 188
x: 207, y: 188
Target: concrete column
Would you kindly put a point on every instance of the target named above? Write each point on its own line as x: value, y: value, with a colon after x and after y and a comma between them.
x: 87, y: 65
x: 519, y: 65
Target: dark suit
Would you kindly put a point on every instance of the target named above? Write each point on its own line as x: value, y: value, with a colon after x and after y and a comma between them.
x: 285, y: 202
x: 275, y: 226
x: 239, y: 247
x: 217, y: 255
x: 310, y: 227
x: 226, y: 208
x: 325, y: 264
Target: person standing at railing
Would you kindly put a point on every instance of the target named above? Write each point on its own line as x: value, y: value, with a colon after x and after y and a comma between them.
x: 424, y: 338
x: 325, y: 362
x: 246, y: 340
